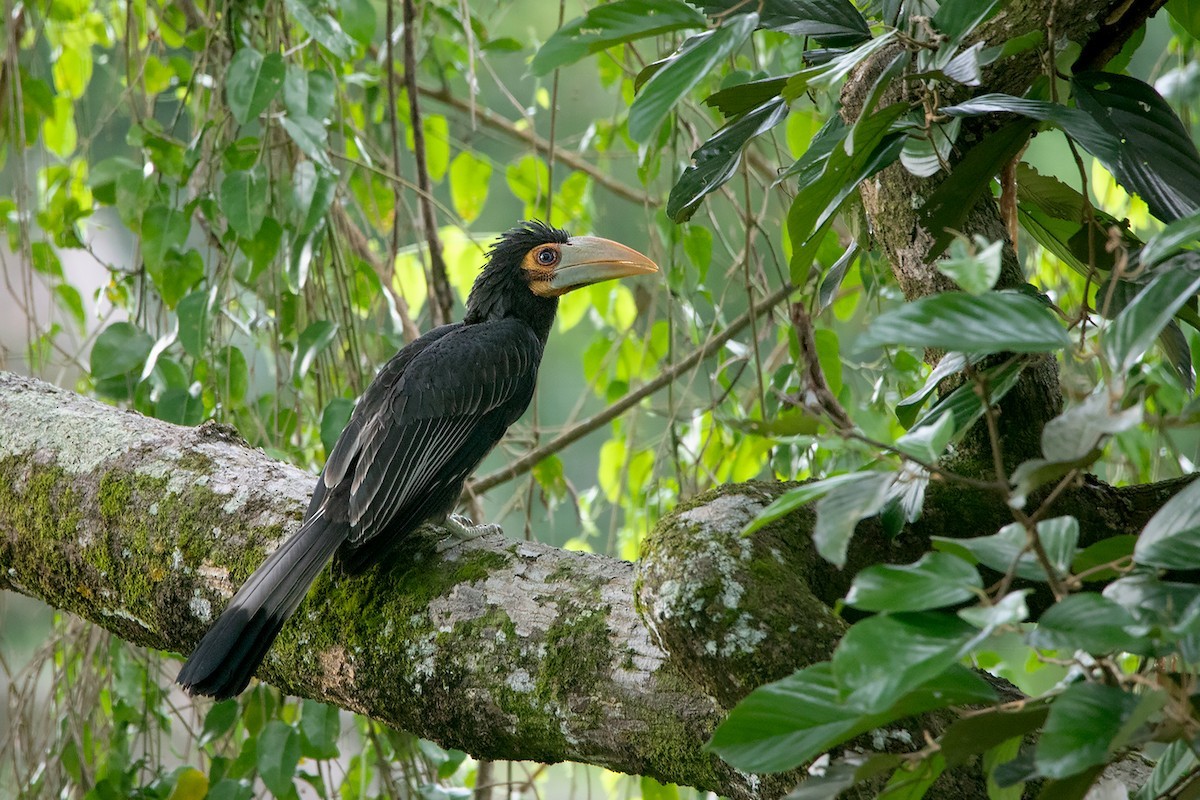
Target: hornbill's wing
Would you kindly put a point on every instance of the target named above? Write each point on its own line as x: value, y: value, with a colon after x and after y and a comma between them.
x: 440, y: 416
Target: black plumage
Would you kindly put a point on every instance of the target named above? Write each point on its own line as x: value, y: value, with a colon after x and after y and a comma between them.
x: 423, y: 425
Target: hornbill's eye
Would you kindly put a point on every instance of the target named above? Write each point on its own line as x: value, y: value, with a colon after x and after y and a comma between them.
x: 547, y: 257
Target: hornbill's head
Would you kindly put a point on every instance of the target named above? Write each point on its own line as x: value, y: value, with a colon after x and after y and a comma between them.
x: 533, y: 264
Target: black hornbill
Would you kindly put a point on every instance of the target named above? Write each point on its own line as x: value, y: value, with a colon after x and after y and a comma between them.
x: 422, y: 426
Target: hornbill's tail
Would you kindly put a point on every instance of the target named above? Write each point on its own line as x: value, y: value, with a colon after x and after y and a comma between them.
x: 227, y: 656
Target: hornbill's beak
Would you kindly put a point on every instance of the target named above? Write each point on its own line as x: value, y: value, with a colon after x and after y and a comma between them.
x: 590, y: 259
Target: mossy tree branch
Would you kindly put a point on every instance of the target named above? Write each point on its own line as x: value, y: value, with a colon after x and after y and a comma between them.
x: 505, y: 649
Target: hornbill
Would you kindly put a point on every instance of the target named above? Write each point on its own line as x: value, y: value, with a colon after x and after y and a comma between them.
x: 422, y: 426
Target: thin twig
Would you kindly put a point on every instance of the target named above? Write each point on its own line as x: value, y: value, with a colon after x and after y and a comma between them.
x: 493, y: 120
x: 527, y: 461
x: 441, y: 296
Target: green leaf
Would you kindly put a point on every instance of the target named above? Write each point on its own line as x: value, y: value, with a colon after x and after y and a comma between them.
x: 310, y: 136
x: 1178, y: 760
x: 320, y: 726
x: 45, y: 260
x: 995, y: 322
x: 835, y: 23
x: 1187, y: 14
x: 333, y: 421
x: 1171, y: 539
x: 1059, y: 537
x: 437, y: 145
x: 1083, y: 722
x: 1135, y: 328
x: 313, y: 341
x: 1009, y: 610
x: 881, y: 658
x: 951, y: 364
x: 312, y: 194
x: 718, y: 158
x: 120, y: 349
x: 843, y: 507
x: 322, y: 27
x: 308, y: 94
x: 1155, y: 155
x: 965, y: 404
x: 611, y: 24
x: 783, y: 724
x: 195, y: 315
x: 180, y: 406
x: 980, y: 732
x: 244, y: 202
x: 469, y: 176
x: 694, y: 61
x: 935, y: 580
x: 1088, y: 622
x: 1180, y: 236
x: 800, y: 496
x: 946, y: 208
x: 251, y: 82
x: 219, y: 721
x: 164, y: 228
x: 865, y: 149
x: 974, y: 268
x: 358, y: 19
x: 927, y: 441
x: 1073, y: 440
x: 278, y: 756
x: 742, y: 97
x: 958, y: 18
x: 233, y: 376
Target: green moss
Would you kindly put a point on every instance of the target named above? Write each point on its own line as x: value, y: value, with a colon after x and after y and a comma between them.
x: 122, y: 542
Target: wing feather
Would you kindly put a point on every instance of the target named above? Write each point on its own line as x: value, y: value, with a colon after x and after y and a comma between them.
x: 430, y: 430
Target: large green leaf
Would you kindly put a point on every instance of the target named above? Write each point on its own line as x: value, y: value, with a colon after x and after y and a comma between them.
x: 312, y: 16
x: 882, y: 657
x: 935, y: 580
x: 1059, y: 537
x: 164, y: 229
x: 783, y: 724
x: 1135, y: 329
x: 120, y: 349
x: 994, y: 322
x: 1072, y: 440
x: 965, y: 403
x: 251, y: 82
x: 946, y: 209
x: 244, y: 202
x: 313, y: 340
x: 1088, y: 622
x: 843, y: 507
x: 1171, y: 539
x: 1179, y: 235
x: 1080, y: 731
x: 278, y: 753
x: 836, y: 23
x: 718, y: 158
x: 956, y: 19
x: 1129, y: 127
x: 1155, y: 155
x: 870, y: 146
x: 800, y: 496
x: 610, y: 24
x: 689, y: 65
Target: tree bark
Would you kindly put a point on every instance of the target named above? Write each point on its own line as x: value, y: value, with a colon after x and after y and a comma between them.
x: 894, y: 198
x: 508, y: 650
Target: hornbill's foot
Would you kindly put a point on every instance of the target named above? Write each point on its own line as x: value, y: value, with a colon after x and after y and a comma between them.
x: 464, y: 530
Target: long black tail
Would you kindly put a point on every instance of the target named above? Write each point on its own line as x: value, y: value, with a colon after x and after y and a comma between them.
x: 227, y: 656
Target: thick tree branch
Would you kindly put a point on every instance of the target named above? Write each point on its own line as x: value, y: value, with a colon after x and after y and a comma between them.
x: 505, y: 649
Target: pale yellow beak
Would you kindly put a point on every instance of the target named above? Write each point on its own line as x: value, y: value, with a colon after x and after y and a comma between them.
x: 590, y: 259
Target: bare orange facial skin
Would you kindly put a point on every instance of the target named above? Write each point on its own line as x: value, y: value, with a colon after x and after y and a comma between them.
x: 539, y: 263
